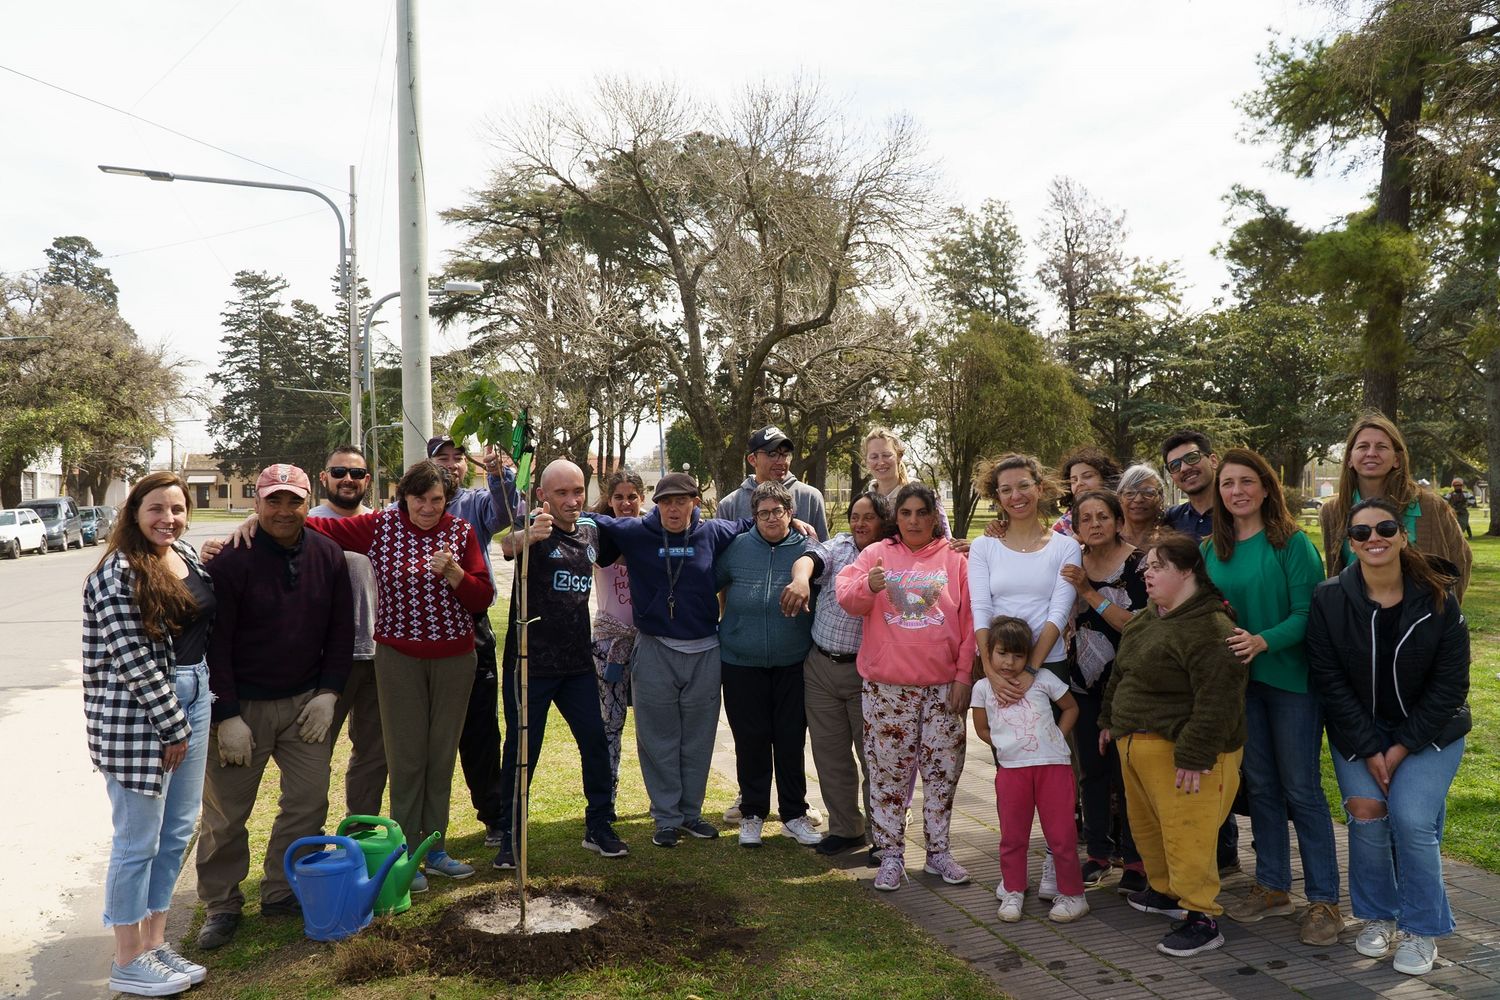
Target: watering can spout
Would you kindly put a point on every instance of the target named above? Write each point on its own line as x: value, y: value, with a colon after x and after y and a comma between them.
x: 371, y: 888
x: 407, y: 865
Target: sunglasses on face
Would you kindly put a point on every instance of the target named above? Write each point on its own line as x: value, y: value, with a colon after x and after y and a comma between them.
x: 1191, y: 458
x: 340, y: 471
x: 1361, y: 532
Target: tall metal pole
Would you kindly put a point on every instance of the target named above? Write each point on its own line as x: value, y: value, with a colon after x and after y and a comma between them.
x: 370, y: 385
x: 416, y: 361
x: 523, y: 785
x: 351, y: 306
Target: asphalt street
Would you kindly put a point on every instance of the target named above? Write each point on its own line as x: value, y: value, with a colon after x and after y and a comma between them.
x: 52, y: 943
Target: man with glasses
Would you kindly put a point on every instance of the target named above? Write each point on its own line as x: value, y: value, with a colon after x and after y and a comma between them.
x: 345, y: 479
x: 770, y: 456
x: 1192, y: 464
x: 488, y: 510
x: 761, y: 651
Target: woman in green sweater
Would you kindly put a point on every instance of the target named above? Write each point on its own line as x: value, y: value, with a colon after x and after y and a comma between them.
x: 1267, y: 567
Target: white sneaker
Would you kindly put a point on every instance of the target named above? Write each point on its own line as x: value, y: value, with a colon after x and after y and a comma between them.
x: 750, y: 828
x: 814, y: 816
x: 1010, y: 905
x: 1066, y: 909
x: 1047, y: 891
x: 802, y: 829
x: 147, y: 976
x: 1375, y: 938
x: 732, y: 814
x: 1415, y: 955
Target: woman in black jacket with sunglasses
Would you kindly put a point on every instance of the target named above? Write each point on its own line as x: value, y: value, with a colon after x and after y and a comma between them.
x: 1388, y: 655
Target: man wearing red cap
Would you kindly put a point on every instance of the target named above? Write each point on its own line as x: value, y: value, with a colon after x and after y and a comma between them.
x: 277, y: 661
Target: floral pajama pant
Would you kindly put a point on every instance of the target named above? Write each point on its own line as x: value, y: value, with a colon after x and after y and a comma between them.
x: 909, y: 731
x: 614, y: 699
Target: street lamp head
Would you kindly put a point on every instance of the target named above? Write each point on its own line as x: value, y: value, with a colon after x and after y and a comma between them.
x: 155, y: 175
x: 462, y: 288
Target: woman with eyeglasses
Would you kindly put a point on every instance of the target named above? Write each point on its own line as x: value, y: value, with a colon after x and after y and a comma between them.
x: 1143, y: 497
x: 1388, y: 650
x: 1267, y: 567
x: 1377, y: 464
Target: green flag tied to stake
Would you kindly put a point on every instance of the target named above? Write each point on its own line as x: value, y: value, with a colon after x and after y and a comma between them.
x: 522, y: 450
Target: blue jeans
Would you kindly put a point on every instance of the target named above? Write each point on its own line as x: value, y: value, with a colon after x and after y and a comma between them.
x: 1409, y: 838
x: 1283, y: 754
x: 577, y: 699
x: 151, y: 833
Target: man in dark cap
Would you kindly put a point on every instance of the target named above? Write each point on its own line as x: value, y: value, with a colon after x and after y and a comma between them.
x: 770, y: 456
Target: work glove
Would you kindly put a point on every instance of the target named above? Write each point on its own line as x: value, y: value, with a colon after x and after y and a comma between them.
x: 235, y: 743
x: 316, y: 716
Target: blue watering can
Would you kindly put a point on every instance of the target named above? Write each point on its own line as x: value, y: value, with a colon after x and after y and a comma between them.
x: 337, y: 896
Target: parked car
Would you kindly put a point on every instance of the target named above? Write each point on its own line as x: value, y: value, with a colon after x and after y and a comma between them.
x: 60, y: 515
x: 90, y: 518
x: 21, y: 531
x: 106, y: 520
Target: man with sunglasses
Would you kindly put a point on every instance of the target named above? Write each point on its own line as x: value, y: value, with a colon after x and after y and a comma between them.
x: 345, y: 479
x: 1192, y: 464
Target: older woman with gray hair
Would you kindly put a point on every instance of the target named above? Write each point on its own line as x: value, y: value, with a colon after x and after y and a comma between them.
x: 1143, y: 495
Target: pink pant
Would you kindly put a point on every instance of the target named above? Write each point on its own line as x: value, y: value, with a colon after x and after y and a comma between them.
x: 1021, y: 793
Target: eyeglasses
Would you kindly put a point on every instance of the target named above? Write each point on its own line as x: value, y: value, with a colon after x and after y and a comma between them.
x: 340, y: 471
x: 1191, y: 458
x: 1024, y: 486
x: 1361, y: 532
x: 771, y: 515
x: 1147, y: 494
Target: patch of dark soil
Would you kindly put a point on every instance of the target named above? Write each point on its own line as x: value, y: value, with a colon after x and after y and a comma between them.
x: 640, y: 923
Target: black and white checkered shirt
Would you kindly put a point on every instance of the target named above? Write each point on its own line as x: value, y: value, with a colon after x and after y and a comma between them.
x: 129, y: 681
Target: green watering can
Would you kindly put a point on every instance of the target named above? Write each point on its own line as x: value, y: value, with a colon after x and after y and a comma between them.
x: 380, y: 842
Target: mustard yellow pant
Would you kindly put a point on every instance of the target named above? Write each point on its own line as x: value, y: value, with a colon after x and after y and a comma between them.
x: 1176, y: 832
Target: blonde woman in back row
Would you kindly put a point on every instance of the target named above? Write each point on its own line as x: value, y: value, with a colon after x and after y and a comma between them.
x: 885, y: 457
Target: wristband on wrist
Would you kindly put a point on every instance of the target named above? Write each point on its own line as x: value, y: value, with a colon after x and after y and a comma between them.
x: 1104, y: 606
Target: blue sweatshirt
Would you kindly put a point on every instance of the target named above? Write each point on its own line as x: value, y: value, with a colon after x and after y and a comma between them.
x: 650, y: 556
x: 754, y: 632
x: 488, y: 510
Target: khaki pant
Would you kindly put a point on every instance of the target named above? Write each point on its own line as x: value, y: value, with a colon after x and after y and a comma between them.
x: 364, y: 783
x: 836, y: 731
x: 229, y: 797
x: 1176, y: 832
x: 422, y: 707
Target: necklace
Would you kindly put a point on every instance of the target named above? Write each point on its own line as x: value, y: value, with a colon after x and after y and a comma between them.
x: 672, y: 574
x: 1023, y: 547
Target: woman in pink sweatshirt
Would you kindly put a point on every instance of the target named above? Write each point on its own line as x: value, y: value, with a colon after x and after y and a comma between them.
x: 916, y: 656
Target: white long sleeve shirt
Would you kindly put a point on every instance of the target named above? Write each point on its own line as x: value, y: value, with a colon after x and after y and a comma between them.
x: 1025, y: 585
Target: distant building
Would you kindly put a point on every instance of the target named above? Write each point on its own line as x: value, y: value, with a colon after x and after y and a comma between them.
x: 42, y: 477
x: 210, y: 489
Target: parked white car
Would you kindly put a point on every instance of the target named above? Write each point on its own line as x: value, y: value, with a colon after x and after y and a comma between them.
x: 21, y: 531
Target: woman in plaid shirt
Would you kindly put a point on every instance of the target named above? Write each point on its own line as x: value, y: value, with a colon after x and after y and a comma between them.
x: 147, y: 611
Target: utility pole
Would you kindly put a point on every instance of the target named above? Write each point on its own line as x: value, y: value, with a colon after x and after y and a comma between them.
x: 416, y: 362
x: 351, y: 290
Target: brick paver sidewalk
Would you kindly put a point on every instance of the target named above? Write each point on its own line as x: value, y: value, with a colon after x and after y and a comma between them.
x: 1111, y: 953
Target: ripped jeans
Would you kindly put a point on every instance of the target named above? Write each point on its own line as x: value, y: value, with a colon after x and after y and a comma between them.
x: 1408, y: 839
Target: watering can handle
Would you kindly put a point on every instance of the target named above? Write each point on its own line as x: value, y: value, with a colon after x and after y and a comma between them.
x: 381, y: 821
x: 321, y: 841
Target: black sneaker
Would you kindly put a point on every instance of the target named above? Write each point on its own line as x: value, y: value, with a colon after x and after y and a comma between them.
x: 505, y: 858
x: 494, y: 834
x: 286, y: 907
x: 1094, y: 872
x: 601, y: 840
x: 218, y: 930
x: 1131, y: 881
x: 833, y: 844
x: 700, y: 828
x: 872, y: 858
x: 1229, y: 866
x: 665, y: 836
x: 1191, y: 936
x: 1148, y: 900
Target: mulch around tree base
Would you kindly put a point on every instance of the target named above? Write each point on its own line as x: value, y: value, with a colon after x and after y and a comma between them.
x: 641, y: 923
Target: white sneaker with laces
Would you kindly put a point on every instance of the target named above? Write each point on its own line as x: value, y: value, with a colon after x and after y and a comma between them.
x: 732, y: 814
x: 750, y: 828
x: 168, y: 956
x: 147, y: 976
x: 1415, y: 955
x: 1047, y: 891
x: 1066, y: 909
x: 1376, y: 938
x: 1010, y: 905
x: 814, y: 816
x: 802, y: 829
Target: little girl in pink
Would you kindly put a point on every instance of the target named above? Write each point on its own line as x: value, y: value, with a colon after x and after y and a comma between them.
x: 1033, y: 770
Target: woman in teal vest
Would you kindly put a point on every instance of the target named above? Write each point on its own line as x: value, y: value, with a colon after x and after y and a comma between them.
x: 1267, y: 567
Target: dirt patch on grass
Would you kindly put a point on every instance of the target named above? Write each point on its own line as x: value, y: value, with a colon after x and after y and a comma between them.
x: 638, y: 924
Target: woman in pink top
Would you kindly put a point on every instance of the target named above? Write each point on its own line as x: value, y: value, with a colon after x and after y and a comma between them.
x: 614, y: 623
x: 915, y: 657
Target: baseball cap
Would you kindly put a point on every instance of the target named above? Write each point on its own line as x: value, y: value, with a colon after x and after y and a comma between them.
x: 435, y: 444
x: 282, y: 477
x: 676, y: 484
x: 769, y: 438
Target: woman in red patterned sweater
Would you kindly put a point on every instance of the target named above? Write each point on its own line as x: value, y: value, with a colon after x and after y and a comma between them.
x: 430, y: 578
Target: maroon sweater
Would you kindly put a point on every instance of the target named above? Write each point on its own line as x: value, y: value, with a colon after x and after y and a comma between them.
x: 416, y: 612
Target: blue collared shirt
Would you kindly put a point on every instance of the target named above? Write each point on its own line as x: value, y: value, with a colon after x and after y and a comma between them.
x: 1185, y: 519
x: 489, y: 510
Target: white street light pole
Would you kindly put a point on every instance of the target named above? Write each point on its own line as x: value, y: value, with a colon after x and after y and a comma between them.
x: 348, y: 278
x: 416, y: 358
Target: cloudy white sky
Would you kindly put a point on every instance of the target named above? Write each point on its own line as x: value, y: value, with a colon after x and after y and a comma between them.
x: 1133, y: 98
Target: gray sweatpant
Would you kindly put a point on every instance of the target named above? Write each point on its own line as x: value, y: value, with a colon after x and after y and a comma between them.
x: 676, y: 698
